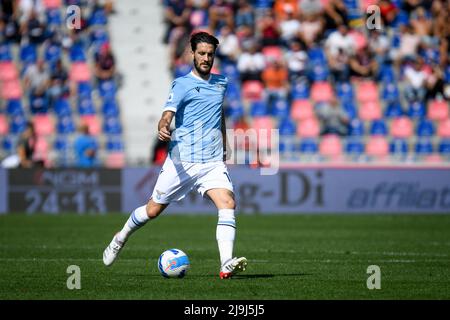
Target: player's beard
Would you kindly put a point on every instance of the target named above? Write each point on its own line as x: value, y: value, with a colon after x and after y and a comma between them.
x: 197, y: 67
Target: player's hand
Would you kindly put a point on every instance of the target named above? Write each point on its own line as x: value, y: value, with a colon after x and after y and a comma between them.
x: 164, y: 134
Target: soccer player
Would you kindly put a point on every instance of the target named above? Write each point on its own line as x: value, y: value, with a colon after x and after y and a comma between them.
x: 197, y: 152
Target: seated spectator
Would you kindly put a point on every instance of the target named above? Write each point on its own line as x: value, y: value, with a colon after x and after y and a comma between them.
x: 280, y: 7
x: 339, y: 39
x: 409, y: 43
x: 415, y: 79
x: 379, y: 45
x: 290, y: 27
x: 10, y: 29
x: 58, y: 83
x: 297, y: 61
x: 244, y: 16
x: 251, y: 62
x: 310, y: 7
x: 220, y: 14
x: 37, y: 79
x: 335, y: 14
x: 229, y: 49
x: 421, y: 24
x: 26, y: 146
x: 275, y: 78
x: 363, y: 64
x: 85, y: 147
x: 388, y: 12
x: 311, y: 29
x: 105, y: 65
x: 34, y: 28
x: 176, y: 14
x: 435, y: 83
x: 334, y: 119
x: 340, y: 66
x: 269, y: 30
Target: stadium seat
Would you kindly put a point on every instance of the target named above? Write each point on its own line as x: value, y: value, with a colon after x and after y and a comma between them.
x: 367, y: 91
x: 377, y: 146
x: 302, y: 109
x: 319, y: 73
x: 52, y: 54
x: 253, y: 90
x: 350, y: 108
x: 322, y: 91
x: 444, y: 129
x: 370, y: 110
x: 5, y: 52
x: 393, y: 110
x: 84, y: 90
x: 17, y: 123
x: 378, y: 127
x: 76, y: 53
x: 8, y: 71
x: 317, y: 55
x: 28, y: 54
x: 233, y: 91
x: 41, y: 150
x: 62, y: 107
x: 280, y: 108
x: 39, y: 104
x: 93, y: 123
x: 398, y: 147
x: 112, y: 125
x: 424, y: 147
x: 65, y: 124
x: 259, y: 108
x: 114, y: 143
x: 86, y: 106
x: 272, y: 53
x: 354, y: 147
x: 52, y: 4
x: 438, y: 110
x: 287, y: 127
x: 8, y: 143
x: 43, y: 125
x: 263, y: 127
x: 416, y: 110
x: 11, y: 90
x: 344, y: 91
x: 234, y: 109
x: 230, y: 71
x: 300, y: 90
x: 14, y: 106
x: 425, y: 128
x: 107, y: 89
x: 79, y: 72
x: 4, y: 128
x: 401, y: 127
x: 98, y: 18
x: 386, y: 73
x: 390, y: 92
x: 181, y: 69
x: 359, y: 39
x: 356, y: 128
x: 308, y: 146
x: 115, y: 160
x: 444, y: 147
x: 110, y: 108
x: 54, y: 17
x: 330, y: 146
x: 308, y: 128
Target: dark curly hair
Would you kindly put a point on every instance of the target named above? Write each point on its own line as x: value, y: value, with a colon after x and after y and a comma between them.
x: 199, y: 37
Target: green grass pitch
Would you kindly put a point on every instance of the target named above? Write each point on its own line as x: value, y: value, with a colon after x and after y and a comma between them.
x: 290, y: 257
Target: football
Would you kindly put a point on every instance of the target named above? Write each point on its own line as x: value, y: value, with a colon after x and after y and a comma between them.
x: 173, y: 263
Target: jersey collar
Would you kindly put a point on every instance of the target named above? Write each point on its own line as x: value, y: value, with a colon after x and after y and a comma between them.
x: 197, y: 77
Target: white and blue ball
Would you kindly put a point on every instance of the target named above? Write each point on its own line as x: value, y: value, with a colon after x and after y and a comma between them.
x: 173, y: 263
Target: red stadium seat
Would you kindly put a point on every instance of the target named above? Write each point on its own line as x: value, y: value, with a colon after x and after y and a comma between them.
x: 3, y: 125
x: 433, y: 159
x: 115, y: 160
x: 272, y: 52
x: 92, y: 122
x: 367, y: 91
x: 302, y: 109
x: 8, y: 71
x: 330, y: 146
x: 308, y: 128
x: 366, y: 3
x: 253, y: 90
x: 263, y: 126
x: 11, y: 90
x: 52, y: 4
x: 377, y: 146
x: 401, y: 127
x: 79, y: 72
x: 41, y: 149
x: 322, y: 91
x: 43, y: 124
x: 370, y: 110
x: 444, y: 128
x: 359, y: 39
x: 438, y: 110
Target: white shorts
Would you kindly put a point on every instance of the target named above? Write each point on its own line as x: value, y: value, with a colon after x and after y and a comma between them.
x: 178, y: 179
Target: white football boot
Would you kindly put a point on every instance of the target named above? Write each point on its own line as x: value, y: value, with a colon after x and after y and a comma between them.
x: 232, y: 266
x: 112, y: 251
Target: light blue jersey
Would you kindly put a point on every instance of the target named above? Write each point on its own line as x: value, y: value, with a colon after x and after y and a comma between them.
x: 197, y: 104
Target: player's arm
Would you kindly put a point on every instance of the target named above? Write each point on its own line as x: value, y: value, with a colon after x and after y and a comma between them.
x: 164, y: 125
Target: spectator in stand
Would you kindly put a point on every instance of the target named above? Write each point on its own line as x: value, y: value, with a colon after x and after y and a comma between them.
x: 251, y: 62
x: 9, y: 26
x: 37, y: 79
x: 275, y: 77
x: 59, y: 86
x: 415, y: 78
x: 363, y: 64
x: 280, y: 7
x: 410, y: 5
x: 339, y: 39
x: 335, y: 14
x: 421, y: 24
x: 26, y: 7
x: 409, y: 44
x: 311, y: 8
x: 26, y: 146
x: 297, y: 62
x: 220, y: 14
x: 290, y: 27
x: 379, y: 45
x: 244, y: 16
x: 269, y: 30
x: 339, y: 66
x: 229, y: 49
x: 334, y: 120
x: 435, y: 83
x: 312, y: 27
x: 34, y: 28
x: 176, y: 14
x: 388, y: 12
x: 85, y: 147
x: 105, y: 65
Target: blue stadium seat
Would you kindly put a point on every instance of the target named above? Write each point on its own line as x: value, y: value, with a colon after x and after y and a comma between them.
x: 112, y: 125
x: 354, y: 147
x: 65, y: 125
x: 181, y: 70
x: 319, y: 72
x: 300, y: 90
x: 390, y: 92
x: 444, y: 147
x: 447, y: 74
x: 344, y: 91
x: 317, y: 55
x: 52, y: 53
x: 287, y: 146
x: 424, y: 147
x: 263, y: 4
x: 14, y: 106
x: 54, y: 17
x: 76, y: 53
x: 258, y: 109
x: 8, y: 144
x: 98, y: 37
x: 398, y: 147
x: 417, y: 110
x: 308, y: 146
x: 287, y: 127
x: 233, y: 91
x: 28, y: 54
x: 86, y: 106
x: 280, y: 108
x: 17, y: 123
x: 63, y: 150
x: 378, y: 127
x: 5, y: 52
x: 114, y: 143
x: 386, y: 73
x: 234, y: 109
x: 84, y: 90
x: 402, y: 18
x: 39, y: 104
x: 350, y: 108
x: 98, y: 18
x: 393, y: 109
x: 62, y: 108
x: 230, y: 71
x: 425, y: 128
x: 107, y: 89
x: 356, y: 127
x: 110, y: 108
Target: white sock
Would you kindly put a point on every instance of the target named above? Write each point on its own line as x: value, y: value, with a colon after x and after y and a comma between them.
x: 225, y: 234
x: 137, y: 219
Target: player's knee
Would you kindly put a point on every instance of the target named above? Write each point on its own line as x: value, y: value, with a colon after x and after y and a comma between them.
x: 228, y: 203
x: 154, y: 209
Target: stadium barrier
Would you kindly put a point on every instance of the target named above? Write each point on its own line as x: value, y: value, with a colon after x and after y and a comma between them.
x: 291, y: 191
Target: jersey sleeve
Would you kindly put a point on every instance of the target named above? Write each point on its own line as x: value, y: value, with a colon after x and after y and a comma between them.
x: 176, y: 95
